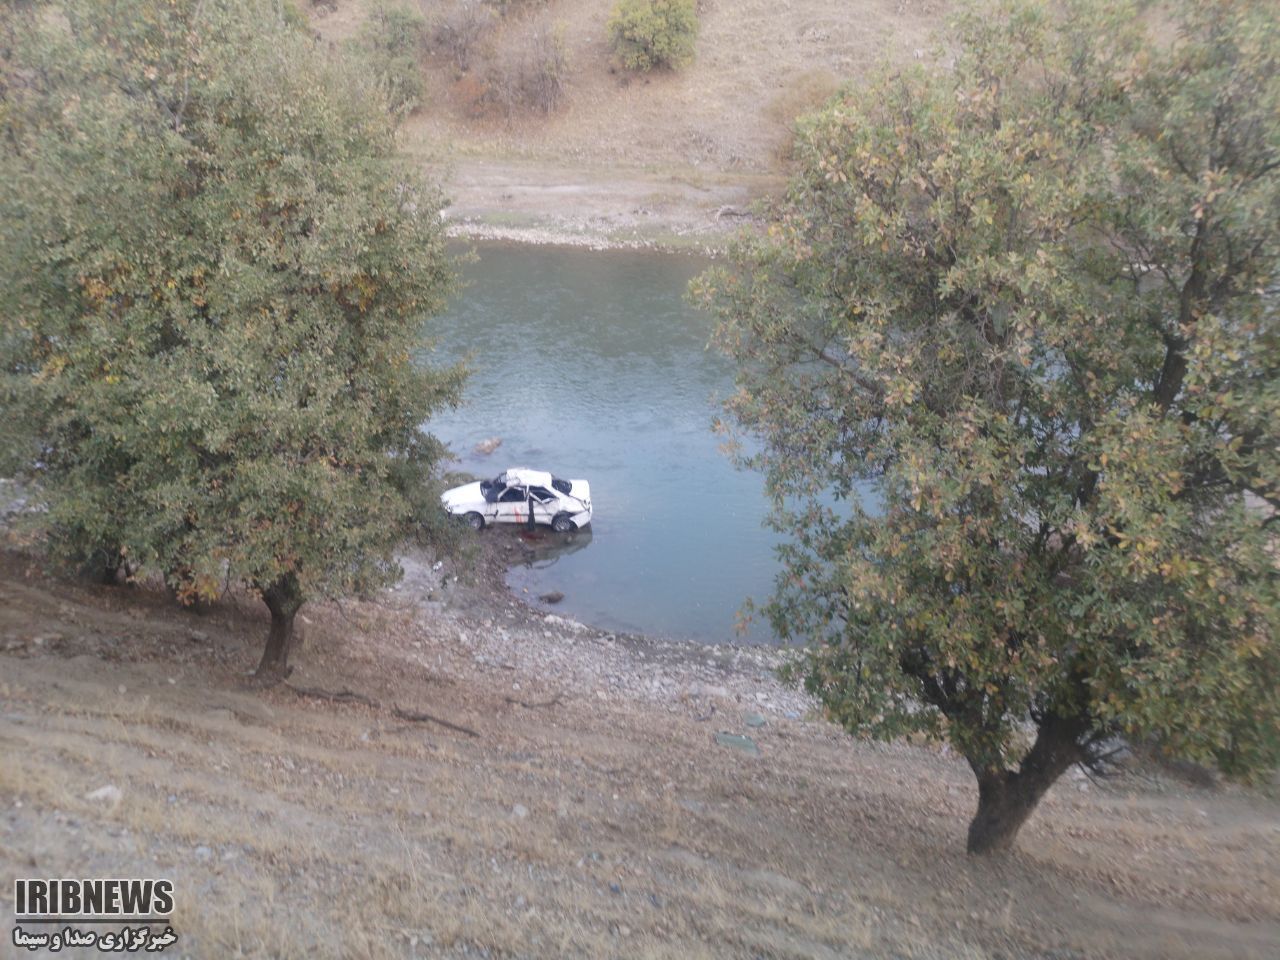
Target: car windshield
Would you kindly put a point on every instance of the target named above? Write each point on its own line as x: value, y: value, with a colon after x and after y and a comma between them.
x: 562, y: 485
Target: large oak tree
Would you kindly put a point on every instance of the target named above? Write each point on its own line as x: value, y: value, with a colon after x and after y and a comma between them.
x: 215, y: 272
x: 1029, y: 296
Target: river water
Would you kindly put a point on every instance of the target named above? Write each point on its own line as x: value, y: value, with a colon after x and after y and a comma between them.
x: 590, y: 364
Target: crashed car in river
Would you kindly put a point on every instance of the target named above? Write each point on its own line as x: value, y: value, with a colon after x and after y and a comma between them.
x: 521, y: 495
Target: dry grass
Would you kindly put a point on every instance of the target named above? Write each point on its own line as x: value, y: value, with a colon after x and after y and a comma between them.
x: 759, y: 64
x: 623, y: 159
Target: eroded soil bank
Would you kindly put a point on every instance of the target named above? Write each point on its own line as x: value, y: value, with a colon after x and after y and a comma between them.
x: 600, y: 208
x: 578, y: 804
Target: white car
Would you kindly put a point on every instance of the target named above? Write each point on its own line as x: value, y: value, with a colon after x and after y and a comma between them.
x: 519, y: 495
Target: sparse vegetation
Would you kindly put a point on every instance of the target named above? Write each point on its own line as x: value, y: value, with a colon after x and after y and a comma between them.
x: 530, y: 73
x: 652, y: 34
x: 509, y: 8
x: 460, y: 29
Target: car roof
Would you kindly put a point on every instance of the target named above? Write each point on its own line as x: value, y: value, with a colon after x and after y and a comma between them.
x: 530, y: 478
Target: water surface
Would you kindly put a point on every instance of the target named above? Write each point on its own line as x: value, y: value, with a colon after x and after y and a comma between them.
x: 591, y: 364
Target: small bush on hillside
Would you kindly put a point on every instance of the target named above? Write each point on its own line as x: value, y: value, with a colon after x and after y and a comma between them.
x: 460, y: 29
x: 392, y: 41
x: 532, y: 74
x: 653, y: 33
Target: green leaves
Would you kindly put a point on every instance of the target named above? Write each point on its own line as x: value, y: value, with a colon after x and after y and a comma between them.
x: 1031, y: 299
x: 215, y: 270
x: 393, y: 42
x: 647, y: 34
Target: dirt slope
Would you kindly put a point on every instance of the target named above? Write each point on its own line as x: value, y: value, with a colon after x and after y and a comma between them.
x: 758, y: 63
x: 592, y: 814
x: 631, y: 159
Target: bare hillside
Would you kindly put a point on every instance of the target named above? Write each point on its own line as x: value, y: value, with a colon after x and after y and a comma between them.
x: 624, y: 154
x: 579, y: 805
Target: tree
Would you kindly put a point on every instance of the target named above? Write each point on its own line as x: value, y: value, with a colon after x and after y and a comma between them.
x: 654, y: 33
x: 1010, y: 349
x: 215, y: 275
x: 393, y: 41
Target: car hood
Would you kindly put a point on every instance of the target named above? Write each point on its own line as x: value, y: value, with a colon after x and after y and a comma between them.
x: 467, y: 495
x: 581, y: 490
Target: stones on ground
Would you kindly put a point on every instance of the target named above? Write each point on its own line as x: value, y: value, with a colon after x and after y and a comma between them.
x: 708, y: 690
x: 520, y: 811
x: 736, y: 741
x: 555, y: 596
x: 776, y: 882
x: 203, y: 853
x: 754, y: 720
x: 486, y: 447
x: 109, y: 796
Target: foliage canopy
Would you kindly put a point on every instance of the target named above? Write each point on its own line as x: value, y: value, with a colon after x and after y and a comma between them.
x: 1030, y: 300
x: 393, y: 40
x: 215, y: 273
x: 647, y: 34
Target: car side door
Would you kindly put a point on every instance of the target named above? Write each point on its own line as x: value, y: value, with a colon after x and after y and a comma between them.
x: 512, y: 504
x: 491, y: 494
x: 543, y: 503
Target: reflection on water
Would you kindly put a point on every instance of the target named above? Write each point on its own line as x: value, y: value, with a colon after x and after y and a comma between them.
x: 592, y: 365
x: 541, y: 548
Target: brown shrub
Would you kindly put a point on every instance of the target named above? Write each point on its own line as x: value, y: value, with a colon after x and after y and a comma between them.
x: 460, y: 29
x: 530, y: 73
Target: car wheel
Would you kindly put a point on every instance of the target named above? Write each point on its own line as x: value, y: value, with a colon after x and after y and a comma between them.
x: 475, y: 520
x: 561, y: 523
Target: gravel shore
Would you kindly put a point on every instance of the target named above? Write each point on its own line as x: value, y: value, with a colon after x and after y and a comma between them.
x: 467, y: 600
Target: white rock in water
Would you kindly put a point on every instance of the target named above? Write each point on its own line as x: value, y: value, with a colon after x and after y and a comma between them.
x: 486, y: 447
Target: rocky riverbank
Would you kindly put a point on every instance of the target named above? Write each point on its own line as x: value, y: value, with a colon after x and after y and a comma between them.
x: 467, y: 599
x: 600, y: 209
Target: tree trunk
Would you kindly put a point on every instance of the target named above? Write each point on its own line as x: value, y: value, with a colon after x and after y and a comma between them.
x: 105, y: 566
x: 283, y: 598
x: 1007, y: 798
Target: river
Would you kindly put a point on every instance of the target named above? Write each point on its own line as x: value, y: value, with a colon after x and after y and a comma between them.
x: 591, y: 364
